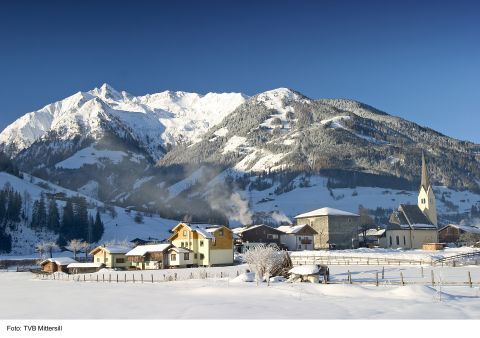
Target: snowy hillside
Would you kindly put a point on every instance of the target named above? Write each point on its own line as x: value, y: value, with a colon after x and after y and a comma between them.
x: 121, y: 227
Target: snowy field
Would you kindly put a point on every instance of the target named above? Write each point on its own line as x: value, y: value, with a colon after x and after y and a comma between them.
x: 24, y: 296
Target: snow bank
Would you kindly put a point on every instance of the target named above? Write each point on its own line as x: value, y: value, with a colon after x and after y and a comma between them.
x: 244, y: 277
x: 305, y: 270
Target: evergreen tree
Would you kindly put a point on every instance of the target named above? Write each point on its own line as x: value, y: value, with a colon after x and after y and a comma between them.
x: 34, y: 224
x: 53, y: 219
x: 5, y: 242
x: 97, y: 230
x: 68, y: 223
x: 80, y: 212
x: 42, y: 212
x: 3, y: 209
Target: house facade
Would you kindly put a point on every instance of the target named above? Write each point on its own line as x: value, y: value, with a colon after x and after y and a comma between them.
x: 181, y: 257
x: 250, y: 236
x: 412, y: 226
x: 297, y: 237
x: 149, y: 257
x: 335, y: 229
x: 208, y: 244
x: 111, y: 256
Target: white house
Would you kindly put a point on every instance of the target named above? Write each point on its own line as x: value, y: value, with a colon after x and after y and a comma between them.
x: 297, y: 237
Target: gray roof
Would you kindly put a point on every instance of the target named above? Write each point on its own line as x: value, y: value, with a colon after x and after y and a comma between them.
x: 409, y: 217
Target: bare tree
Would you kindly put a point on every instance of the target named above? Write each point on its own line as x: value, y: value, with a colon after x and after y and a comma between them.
x: 86, y: 248
x: 263, y: 260
x: 40, y: 248
x: 74, y: 245
x: 50, y: 247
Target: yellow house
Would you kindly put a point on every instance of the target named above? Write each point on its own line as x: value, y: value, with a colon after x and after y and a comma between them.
x: 208, y: 244
x: 112, y: 256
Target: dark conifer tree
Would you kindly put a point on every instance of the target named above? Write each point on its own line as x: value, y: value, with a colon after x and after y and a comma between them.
x: 97, y: 231
x: 53, y: 220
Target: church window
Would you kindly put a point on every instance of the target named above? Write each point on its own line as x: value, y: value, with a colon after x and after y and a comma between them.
x: 397, y: 240
x: 390, y: 240
x: 404, y: 241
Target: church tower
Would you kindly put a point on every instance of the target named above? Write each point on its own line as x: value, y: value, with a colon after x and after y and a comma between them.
x: 426, y: 197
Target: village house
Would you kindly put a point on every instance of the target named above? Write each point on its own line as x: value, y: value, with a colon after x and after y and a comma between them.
x: 112, y: 256
x: 75, y: 268
x: 147, y: 257
x: 56, y: 264
x: 335, y: 229
x: 451, y: 233
x: 208, y: 244
x: 374, y: 238
x: 412, y: 226
x: 297, y: 237
x: 180, y: 257
x: 250, y: 236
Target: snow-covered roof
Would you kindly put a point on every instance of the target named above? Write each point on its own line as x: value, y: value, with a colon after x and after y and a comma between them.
x: 466, y: 228
x: 85, y: 265
x: 142, y: 250
x: 305, y: 270
x: 375, y: 232
x: 60, y: 260
x: 180, y: 250
x: 291, y: 229
x: 247, y: 228
x: 113, y: 249
x: 326, y: 212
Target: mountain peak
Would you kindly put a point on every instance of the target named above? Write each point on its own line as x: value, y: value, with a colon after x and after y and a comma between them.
x: 105, y: 91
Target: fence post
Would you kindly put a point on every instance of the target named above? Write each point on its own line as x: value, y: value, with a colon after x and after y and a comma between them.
x: 433, y: 279
x: 84, y: 278
x: 368, y: 261
x: 175, y: 276
x: 152, y: 277
x: 469, y: 279
x: 109, y: 277
x: 238, y: 273
x: 401, y: 277
x: 141, y: 276
x: 125, y: 277
x: 376, y: 279
x: 383, y: 272
x: 53, y: 276
x: 103, y: 277
x: 133, y: 277
x: 349, y: 277
x: 422, y: 271
x: 221, y: 274
x: 97, y: 278
x: 191, y: 275
x: 117, y: 277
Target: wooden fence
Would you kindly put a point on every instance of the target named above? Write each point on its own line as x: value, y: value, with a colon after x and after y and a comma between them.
x: 356, y: 260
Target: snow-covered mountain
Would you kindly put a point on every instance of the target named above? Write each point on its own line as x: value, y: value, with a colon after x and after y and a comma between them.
x: 153, y: 121
x: 218, y: 156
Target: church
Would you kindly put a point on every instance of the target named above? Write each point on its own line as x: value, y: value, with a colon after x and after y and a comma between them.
x: 411, y: 226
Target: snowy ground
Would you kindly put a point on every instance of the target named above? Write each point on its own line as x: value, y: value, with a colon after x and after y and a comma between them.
x: 24, y: 296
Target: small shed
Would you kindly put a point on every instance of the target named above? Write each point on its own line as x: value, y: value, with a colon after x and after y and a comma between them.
x: 84, y: 267
x: 432, y: 246
x: 308, y: 273
x: 56, y: 264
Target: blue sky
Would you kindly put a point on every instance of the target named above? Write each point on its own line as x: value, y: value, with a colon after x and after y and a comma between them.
x: 417, y: 60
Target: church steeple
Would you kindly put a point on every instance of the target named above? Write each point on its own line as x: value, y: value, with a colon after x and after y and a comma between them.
x: 426, y: 197
x: 425, y: 182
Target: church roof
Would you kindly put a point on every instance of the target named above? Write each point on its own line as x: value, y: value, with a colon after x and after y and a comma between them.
x: 409, y: 216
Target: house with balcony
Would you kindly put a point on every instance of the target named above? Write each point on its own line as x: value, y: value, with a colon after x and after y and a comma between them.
x: 252, y: 235
x: 206, y: 244
x: 297, y: 237
x: 149, y: 257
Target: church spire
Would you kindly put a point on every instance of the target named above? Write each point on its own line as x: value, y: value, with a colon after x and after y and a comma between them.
x: 425, y: 183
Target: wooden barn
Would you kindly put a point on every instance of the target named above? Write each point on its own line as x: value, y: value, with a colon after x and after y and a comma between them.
x: 451, y: 233
x: 56, y: 264
x: 84, y: 267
